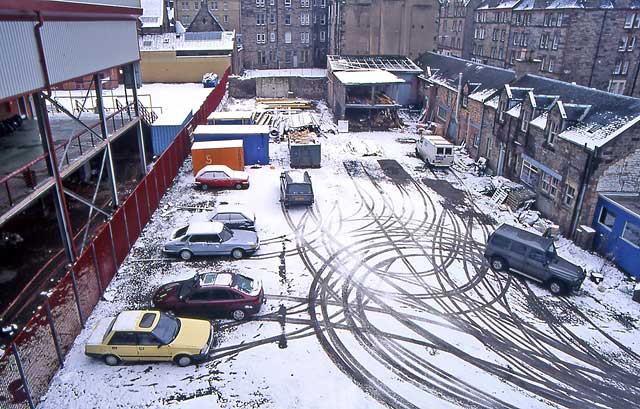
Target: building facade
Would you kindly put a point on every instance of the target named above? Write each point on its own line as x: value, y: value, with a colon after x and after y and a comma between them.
x: 226, y: 12
x: 587, y: 42
x: 383, y: 27
x: 455, y: 27
x: 284, y: 33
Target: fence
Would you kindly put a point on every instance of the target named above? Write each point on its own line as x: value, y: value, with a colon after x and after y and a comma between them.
x: 38, y: 351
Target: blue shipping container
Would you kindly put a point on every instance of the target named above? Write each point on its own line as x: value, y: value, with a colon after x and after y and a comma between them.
x: 166, y: 127
x: 616, y: 221
x: 254, y: 137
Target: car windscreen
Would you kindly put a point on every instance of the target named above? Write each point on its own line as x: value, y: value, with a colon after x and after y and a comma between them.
x: 551, y: 250
x: 225, y: 234
x: 180, y: 232
x: 108, y: 330
x: 187, y: 287
x: 167, y: 329
x: 299, y: 189
x: 244, y: 284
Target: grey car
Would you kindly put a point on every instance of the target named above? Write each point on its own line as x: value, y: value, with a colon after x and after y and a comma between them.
x: 234, y: 217
x: 211, y: 239
x: 512, y: 249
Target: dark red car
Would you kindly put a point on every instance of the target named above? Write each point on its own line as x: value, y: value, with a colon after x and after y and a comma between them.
x: 212, y: 294
x: 221, y: 176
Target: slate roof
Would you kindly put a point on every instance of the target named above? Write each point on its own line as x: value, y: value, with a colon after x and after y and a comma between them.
x: 556, y: 4
x: 482, y: 79
x: 202, y: 41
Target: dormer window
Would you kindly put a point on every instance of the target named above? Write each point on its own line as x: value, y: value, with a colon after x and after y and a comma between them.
x: 526, y: 117
x: 465, y: 100
x: 552, y: 132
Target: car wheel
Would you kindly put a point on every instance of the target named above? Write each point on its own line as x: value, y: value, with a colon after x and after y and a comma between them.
x: 186, y: 255
x: 204, y: 187
x: 183, y: 360
x: 237, y: 254
x: 498, y: 264
x: 557, y: 287
x: 111, y: 360
x: 238, y: 315
x: 238, y: 186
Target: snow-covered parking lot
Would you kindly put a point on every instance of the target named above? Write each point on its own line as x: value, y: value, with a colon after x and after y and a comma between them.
x: 377, y: 296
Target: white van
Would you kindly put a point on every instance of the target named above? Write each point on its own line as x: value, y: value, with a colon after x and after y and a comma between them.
x: 434, y: 150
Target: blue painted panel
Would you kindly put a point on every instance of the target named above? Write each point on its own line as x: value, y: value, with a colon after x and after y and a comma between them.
x: 256, y: 146
x: 163, y: 132
x: 609, y: 242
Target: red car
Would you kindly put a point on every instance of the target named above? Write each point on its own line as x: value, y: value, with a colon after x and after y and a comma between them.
x: 221, y: 176
x: 212, y: 294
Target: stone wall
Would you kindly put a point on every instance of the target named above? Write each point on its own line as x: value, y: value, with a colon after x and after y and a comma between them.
x: 278, y: 87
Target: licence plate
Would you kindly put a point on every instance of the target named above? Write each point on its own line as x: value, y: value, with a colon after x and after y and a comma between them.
x: 298, y: 198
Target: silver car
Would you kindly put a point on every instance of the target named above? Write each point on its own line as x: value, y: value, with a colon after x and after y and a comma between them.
x: 211, y: 239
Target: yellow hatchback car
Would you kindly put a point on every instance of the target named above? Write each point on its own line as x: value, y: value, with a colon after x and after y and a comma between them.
x: 150, y: 336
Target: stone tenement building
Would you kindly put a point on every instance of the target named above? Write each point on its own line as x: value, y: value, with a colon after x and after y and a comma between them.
x: 284, y: 33
x: 455, y: 27
x: 227, y: 12
x: 383, y: 27
x: 589, y: 42
x: 567, y: 143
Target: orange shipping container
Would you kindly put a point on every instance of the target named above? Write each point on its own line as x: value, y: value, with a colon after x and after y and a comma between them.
x: 230, y: 153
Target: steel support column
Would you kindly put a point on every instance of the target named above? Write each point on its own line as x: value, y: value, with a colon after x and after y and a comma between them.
x: 136, y: 107
x: 105, y: 134
x: 64, y: 222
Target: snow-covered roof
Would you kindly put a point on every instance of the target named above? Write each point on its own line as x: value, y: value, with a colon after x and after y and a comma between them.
x: 493, y: 102
x: 231, y: 129
x: 540, y: 121
x: 594, y: 136
x: 174, y: 116
x: 205, y: 227
x: 202, y: 41
x: 218, y: 279
x: 287, y: 72
x: 152, y: 13
x: 366, y: 77
x: 231, y: 143
x: 296, y: 176
x: 129, y: 320
x: 515, y: 111
x: 230, y: 115
x: 370, y: 62
x: 482, y: 95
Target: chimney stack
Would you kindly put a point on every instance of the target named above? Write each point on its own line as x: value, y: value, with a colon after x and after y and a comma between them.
x: 527, y: 65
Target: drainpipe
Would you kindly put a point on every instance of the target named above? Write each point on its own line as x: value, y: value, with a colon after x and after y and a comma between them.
x: 593, y: 67
x: 635, y: 79
x: 586, y: 175
x: 43, y: 61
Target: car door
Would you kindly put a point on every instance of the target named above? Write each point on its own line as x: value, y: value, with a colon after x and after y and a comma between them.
x: 536, y: 264
x: 237, y: 221
x: 206, y: 178
x: 197, y: 303
x: 124, y: 345
x: 151, y: 349
x: 220, y: 301
x: 198, y: 244
x: 212, y: 244
x: 517, y: 253
x: 225, y: 179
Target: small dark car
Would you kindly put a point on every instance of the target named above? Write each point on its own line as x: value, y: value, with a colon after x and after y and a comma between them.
x: 235, y: 218
x: 295, y: 188
x: 212, y: 294
x: 530, y: 255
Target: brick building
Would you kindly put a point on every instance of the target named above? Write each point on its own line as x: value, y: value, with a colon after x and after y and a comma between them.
x: 567, y: 143
x: 588, y: 42
x: 444, y: 77
x: 455, y: 27
x: 226, y: 12
x: 383, y: 27
x: 284, y: 33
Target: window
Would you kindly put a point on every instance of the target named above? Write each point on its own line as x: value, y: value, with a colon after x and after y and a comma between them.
x: 272, y: 2
x: 544, y: 40
x: 538, y: 256
x: 304, y: 38
x: 215, y: 5
x: 147, y: 338
x: 322, y: 36
x: 550, y: 184
x: 617, y: 87
x: 260, y: 19
x: 516, y: 38
x: 552, y: 132
x: 631, y: 43
x: 493, y: 52
x: 261, y: 57
x: 618, y: 67
x: 442, y: 113
x: 261, y: 38
x: 500, y: 53
x: 529, y: 174
x: 512, y: 57
x: 503, y: 35
x: 287, y: 3
x: 272, y: 37
x: 288, y: 56
x: 554, y: 44
x: 323, y: 3
x: 323, y: 20
x: 259, y: 3
x: 526, y: 117
x: 465, y: 100
x: 225, y: 18
x: 500, y: 241
x: 495, y: 34
x: 287, y: 19
x: 225, y: 6
x: 272, y: 19
x: 631, y: 233
x: 147, y: 320
x: 546, y: 19
x: 123, y: 338
x: 287, y: 37
x: 622, y: 44
x: 625, y: 68
x: 518, y: 248
x: 607, y: 218
x: 449, y: 98
x: 502, y: 109
x: 628, y: 22
x: 552, y: 62
x: 304, y: 19
x: 304, y: 3
x: 184, y: 5
x: 569, y: 195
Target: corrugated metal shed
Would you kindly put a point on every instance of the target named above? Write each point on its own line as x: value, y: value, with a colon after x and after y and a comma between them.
x: 254, y: 137
x: 20, y: 71
x: 165, y: 129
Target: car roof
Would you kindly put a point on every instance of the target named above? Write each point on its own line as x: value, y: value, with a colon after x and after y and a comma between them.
x: 438, y: 140
x: 130, y: 321
x: 247, y: 211
x: 216, y: 279
x: 215, y: 168
x: 295, y: 176
x: 524, y: 237
x: 205, y: 228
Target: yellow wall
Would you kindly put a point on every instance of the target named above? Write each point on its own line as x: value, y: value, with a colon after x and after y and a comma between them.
x: 164, y: 66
